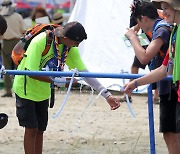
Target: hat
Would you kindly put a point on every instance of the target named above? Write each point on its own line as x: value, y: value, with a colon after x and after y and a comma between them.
x: 74, y: 31
x: 8, y: 7
x: 3, y: 120
x: 175, y: 4
x: 58, y: 18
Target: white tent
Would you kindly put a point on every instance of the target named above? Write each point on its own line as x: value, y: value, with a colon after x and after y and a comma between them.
x: 105, y: 22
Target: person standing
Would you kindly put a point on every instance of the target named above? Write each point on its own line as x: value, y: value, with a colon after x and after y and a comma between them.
x: 16, y: 27
x: 33, y: 92
x: 169, y: 110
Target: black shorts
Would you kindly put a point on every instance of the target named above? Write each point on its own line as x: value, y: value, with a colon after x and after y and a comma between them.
x: 154, y: 85
x: 137, y: 63
x: 32, y: 114
x: 169, y: 113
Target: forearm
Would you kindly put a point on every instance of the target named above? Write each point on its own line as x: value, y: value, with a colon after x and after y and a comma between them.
x: 42, y: 78
x: 153, y: 76
x: 140, y: 52
x: 95, y: 84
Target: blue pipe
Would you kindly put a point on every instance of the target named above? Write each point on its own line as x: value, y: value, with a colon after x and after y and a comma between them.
x: 79, y: 74
x: 100, y: 75
x: 151, y: 120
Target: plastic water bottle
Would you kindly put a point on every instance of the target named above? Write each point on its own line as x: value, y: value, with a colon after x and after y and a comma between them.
x: 170, y: 67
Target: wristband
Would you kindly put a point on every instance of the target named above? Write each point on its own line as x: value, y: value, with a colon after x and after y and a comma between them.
x: 105, y: 93
x: 135, y: 83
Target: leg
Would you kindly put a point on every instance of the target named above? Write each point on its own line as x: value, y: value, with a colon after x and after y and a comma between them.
x: 169, y: 116
x: 172, y: 142
x: 39, y: 142
x: 8, y: 64
x: 29, y: 140
x: 156, y: 94
x: 134, y: 70
x: 33, y: 141
x: 6, y: 60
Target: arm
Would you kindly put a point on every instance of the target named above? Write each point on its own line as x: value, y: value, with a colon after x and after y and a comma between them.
x: 143, y: 55
x: 95, y: 84
x: 152, y: 77
x: 42, y: 78
x: 74, y: 61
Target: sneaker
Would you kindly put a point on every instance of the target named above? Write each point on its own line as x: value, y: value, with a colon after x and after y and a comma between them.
x: 7, y: 95
x: 156, y: 101
x: 123, y: 99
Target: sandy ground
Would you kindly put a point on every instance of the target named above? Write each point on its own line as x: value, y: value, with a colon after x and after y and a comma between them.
x: 87, y: 129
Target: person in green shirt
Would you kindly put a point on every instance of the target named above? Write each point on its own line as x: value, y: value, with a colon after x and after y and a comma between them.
x: 170, y: 113
x: 33, y: 92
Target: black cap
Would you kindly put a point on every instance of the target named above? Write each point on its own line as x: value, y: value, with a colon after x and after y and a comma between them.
x: 74, y: 31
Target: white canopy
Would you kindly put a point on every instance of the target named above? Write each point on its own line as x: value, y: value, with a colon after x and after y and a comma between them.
x: 105, y: 22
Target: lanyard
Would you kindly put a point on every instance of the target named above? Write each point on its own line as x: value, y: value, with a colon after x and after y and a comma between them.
x: 173, y: 43
x: 60, y: 58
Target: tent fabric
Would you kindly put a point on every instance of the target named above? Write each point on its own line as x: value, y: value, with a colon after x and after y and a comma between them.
x: 105, y: 22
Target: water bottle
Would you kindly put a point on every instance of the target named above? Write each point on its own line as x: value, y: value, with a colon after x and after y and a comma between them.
x: 170, y: 67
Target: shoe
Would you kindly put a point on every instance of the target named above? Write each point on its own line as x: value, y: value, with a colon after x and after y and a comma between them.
x: 123, y: 99
x: 7, y: 95
x: 156, y: 101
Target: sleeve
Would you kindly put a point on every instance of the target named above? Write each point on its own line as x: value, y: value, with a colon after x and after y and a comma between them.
x: 74, y: 60
x: 95, y: 84
x: 163, y: 33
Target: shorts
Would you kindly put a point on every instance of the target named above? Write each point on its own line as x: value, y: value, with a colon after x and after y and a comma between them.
x: 154, y: 85
x: 32, y: 114
x: 137, y: 63
x: 169, y: 113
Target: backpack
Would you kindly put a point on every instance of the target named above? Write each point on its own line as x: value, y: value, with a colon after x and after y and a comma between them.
x: 20, y: 48
x: 160, y: 24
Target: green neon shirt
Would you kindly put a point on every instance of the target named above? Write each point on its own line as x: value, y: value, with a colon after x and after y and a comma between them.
x: 176, y: 70
x: 29, y: 88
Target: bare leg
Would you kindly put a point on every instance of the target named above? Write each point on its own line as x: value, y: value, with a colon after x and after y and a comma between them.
x: 172, y: 142
x: 39, y: 142
x: 33, y: 141
x: 156, y: 94
x: 134, y: 70
x: 29, y: 140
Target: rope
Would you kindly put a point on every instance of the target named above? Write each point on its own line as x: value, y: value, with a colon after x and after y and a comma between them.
x: 127, y: 99
x: 66, y: 96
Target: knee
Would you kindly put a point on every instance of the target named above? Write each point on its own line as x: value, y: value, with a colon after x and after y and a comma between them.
x: 170, y: 137
x: 31, y: 131
x: 40, y: 132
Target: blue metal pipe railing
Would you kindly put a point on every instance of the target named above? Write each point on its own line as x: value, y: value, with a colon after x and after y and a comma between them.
x: 79, y: 74
x: 100, y: 75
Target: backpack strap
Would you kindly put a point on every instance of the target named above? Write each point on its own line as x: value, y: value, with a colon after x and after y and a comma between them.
x: 49, y: 38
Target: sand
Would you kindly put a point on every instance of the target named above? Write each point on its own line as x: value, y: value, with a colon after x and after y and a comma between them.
x: 86, y: 125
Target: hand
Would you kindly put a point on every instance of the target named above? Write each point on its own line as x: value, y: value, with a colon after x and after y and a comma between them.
x: 59, y: 81
x: 113, y: 102
x: 68, y: 81
x: 129, y: 87
x: 63, y: 82
x: 130, y: 34
x: 132, y: 7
